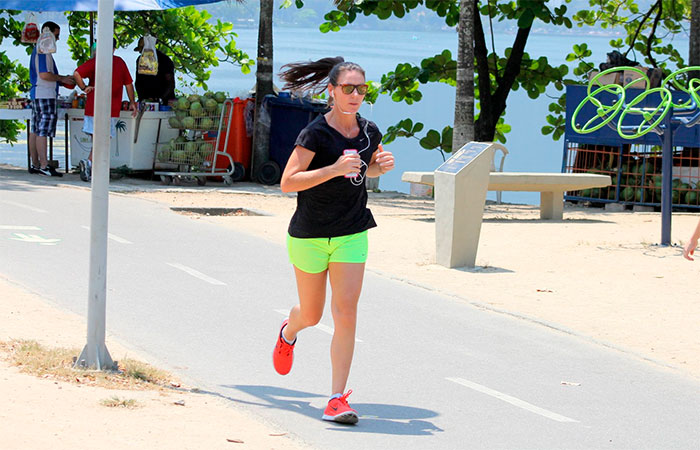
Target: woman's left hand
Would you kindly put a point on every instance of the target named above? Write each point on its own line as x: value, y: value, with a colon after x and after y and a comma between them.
x: 385, y: 160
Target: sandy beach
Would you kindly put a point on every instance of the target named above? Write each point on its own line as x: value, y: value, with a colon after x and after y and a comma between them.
x: 596, y: 275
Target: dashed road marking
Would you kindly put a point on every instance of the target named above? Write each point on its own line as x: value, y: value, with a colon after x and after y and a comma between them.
x: 22, y: 205
x: 113, y: 237
x: 34, y: 239
x: 197, y: 274
x: 512, y: 400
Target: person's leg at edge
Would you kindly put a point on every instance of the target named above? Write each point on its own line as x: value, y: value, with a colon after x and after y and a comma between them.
x: 34, y: 155
x: 41, y: 146
x: 346, y: 285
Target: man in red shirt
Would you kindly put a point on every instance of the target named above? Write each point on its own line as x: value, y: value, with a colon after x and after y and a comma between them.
x: 120, y: 78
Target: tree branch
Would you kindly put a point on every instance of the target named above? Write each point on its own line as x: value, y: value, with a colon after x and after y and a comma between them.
x: 650, y: 39
x: 493, y: 42
x: 641, y: 24
x: 512, y: 69
x: 482, y: 62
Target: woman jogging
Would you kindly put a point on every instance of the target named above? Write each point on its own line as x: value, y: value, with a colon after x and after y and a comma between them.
x: 327, y: 236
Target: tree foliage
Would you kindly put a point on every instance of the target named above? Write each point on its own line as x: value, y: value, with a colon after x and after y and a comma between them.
x: 193, y: 41
x: 497, y: 74
x: 14, y: 77
x: 650, y: 27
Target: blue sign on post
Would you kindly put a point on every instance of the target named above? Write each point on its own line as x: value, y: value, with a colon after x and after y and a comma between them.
x: 463, y: 157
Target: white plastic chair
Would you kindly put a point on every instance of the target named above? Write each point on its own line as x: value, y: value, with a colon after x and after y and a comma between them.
x: 500, y: 166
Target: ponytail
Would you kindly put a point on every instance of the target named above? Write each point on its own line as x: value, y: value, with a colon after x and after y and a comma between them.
x: 315, y: 75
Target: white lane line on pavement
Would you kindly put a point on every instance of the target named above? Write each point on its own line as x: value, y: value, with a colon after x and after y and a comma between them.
x: 112, y: 237
x: 21, y: 205
x: 19, y: 227
x: 197, y: 274
x: 512, y: 400
x: 35, y: 239
x: 320, y: 326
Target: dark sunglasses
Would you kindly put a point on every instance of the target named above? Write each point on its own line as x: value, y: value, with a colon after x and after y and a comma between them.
x: 348, y: 88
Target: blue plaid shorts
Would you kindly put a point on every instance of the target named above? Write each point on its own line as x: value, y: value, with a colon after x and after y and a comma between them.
x: 44, y: 116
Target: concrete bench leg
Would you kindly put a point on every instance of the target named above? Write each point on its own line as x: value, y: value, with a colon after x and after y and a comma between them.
x: 552, y: 205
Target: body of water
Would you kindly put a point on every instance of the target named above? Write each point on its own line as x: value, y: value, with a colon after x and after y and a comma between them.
x: 379, y: 52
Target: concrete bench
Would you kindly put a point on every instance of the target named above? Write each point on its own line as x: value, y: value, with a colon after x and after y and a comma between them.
x: 551, y: 186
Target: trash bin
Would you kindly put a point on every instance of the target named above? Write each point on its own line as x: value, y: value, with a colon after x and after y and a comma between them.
x: 288, y: 116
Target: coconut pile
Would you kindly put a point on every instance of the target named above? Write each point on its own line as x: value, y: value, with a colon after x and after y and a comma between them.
x: 193, y: 112
x: 198, y: 112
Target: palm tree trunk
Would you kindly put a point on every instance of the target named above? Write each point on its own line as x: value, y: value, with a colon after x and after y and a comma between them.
x: 464, y: 96
x: 263, y: 87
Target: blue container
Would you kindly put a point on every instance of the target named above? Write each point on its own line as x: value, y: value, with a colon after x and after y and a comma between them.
x: 288, y: 116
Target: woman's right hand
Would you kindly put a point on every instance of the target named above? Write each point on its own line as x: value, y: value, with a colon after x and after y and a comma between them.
x: 347, y: 163
x: 689, y: 249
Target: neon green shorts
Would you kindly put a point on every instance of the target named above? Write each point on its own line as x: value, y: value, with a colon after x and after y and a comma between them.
x: 313, y: 255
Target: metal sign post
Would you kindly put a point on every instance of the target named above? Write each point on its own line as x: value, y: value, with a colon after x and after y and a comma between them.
x: 95, y: 354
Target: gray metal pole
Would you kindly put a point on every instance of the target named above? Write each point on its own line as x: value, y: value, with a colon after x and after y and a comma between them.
x: 95, y: 354
x: 666, y: 180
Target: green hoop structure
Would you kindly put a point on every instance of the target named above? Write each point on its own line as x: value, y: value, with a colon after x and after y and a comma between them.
x: 646, y: 113
x: 601, y: 110
x: 651, y: 117
x: 619, y: 69
x: 671, y: 79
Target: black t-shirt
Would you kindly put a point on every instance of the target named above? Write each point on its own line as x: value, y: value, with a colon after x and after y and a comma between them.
x: 156, y: 87
x: 336, y: 207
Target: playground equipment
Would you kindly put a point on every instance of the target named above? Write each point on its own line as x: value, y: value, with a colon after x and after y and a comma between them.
x: 658, y: 110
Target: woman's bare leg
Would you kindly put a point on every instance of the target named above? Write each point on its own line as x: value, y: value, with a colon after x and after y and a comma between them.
x: 346, y: 285
x: 311, y: 288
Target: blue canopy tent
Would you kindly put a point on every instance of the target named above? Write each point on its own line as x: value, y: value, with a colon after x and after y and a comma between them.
x: 95, y: 354
x: 92, y: 5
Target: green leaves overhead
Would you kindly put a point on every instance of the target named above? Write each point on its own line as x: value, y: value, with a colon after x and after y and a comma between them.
x: 193, y: 41
x: 14, y: 76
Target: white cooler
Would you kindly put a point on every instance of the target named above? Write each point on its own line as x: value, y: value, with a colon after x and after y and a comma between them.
x: 124, y: 151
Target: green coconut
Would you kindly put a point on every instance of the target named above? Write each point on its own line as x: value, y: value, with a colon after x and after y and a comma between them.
x: 210, y: 104
x: 627, y: 194
x: 163, y: 155
x: 188, y: 122
x: 205, y: 149
x: 182, y: 104
x: 220, y: 97
x: 173, y: 122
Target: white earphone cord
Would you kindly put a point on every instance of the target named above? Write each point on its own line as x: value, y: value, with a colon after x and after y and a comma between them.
x: 360, y: 178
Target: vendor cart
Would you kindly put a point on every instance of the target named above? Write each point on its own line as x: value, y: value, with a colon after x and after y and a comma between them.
x: 193, y: 155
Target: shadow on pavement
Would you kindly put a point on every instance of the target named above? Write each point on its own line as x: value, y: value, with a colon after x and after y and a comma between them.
x: 374, y: 417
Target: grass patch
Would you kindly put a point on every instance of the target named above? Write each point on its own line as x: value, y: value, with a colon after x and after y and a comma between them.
x: 116, y: 402
x: 57, y: 363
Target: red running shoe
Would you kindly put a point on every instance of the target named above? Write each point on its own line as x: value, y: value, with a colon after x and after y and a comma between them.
x: 283, y: 355
x: 339, y: 411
